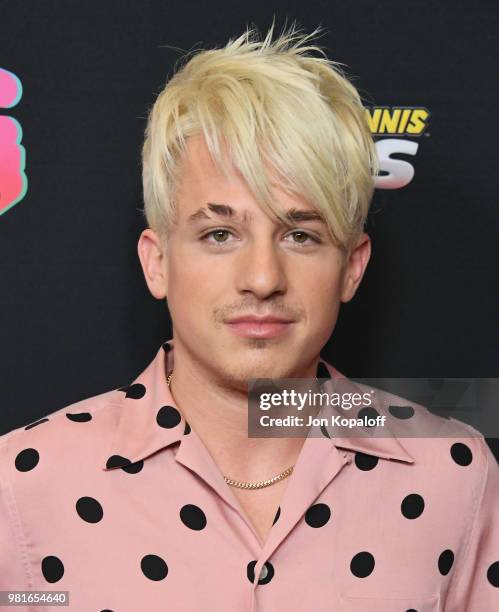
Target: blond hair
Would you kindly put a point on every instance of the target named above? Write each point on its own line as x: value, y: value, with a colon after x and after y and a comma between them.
x: 268, y: 102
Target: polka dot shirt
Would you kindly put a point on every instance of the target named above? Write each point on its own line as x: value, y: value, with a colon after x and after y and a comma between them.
x: 117, y: 500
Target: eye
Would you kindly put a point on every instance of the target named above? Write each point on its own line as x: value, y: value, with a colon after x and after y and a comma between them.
x: 220, y: 235
x: 302, y: 237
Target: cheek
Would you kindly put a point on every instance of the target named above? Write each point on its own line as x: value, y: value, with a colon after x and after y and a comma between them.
x: 322, y: 283
x: 192, y: 287
x: 187, y: 274
x: 322, y: 293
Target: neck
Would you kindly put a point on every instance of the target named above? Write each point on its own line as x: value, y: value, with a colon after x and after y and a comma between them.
x: 219, y: 416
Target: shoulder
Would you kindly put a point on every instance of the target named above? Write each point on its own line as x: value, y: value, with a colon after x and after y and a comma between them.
x: 77, y: 427
x: 449, y: 453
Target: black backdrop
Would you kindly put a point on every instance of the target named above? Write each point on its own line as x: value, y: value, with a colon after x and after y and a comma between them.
x: 77, y: 318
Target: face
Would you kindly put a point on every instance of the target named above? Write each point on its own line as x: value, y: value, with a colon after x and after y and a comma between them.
x: 226, y: 259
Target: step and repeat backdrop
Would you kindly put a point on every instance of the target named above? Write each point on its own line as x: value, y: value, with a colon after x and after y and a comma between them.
x: 76, y: 83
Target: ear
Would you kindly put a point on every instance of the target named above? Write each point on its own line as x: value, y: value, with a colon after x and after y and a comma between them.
x: 153, y: 261
x: 355, y: 266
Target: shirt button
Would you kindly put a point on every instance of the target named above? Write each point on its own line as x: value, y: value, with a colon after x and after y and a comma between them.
x: 263, y: 573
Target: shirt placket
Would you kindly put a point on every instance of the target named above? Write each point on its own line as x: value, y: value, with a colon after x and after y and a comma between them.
x: 318, y: 464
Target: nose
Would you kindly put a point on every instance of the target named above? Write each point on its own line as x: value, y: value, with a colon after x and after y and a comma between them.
x: 261, y: 268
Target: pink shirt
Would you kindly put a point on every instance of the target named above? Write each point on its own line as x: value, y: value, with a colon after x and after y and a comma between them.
x: 117, y: 500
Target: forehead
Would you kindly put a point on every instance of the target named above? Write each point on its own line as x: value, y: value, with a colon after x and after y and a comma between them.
x: 197, y: 154
x: 200, y: 180
x: 197, y: 168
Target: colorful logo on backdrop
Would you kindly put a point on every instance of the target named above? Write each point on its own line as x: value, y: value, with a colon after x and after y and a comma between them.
x: 13, y: 181
x: 393, y: 127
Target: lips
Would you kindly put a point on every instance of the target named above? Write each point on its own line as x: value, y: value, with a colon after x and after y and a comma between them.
x: 259, y: 327
x: 255, y: 319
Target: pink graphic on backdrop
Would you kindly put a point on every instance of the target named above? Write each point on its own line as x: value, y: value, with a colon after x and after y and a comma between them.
x: 13, y: 181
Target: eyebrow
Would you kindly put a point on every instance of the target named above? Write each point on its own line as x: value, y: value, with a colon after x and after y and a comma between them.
x: 293, y: 215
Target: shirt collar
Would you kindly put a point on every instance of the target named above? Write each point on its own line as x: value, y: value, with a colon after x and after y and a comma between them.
x: 146, y: 418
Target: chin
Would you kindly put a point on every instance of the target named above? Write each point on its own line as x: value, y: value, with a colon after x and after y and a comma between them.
x: 239, y: 374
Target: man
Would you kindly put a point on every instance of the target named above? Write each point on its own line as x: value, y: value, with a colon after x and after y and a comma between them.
x: 258, y: 173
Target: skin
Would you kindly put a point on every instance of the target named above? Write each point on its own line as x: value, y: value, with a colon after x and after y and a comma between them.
x: 257, y: 267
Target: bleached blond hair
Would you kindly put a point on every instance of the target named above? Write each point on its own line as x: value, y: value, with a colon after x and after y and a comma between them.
x: 273, y: 102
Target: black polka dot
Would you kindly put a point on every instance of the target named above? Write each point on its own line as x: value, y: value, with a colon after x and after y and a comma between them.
x: 277, y: 515
x: 362, y: 564
x: 461, y: 453
x: 89, y: 509
x: 133, y: 468
x: 250, y: 571
x: 135, y: 391
x: 52, y: 568
x: 106, y: 610
x: 266, y: 573
x: 36, y: 423
x: 187, y: 429
x: 80, y: 417
x: 322, y: 371
x: 325, y: 432
x: 369, y: 413
x: 168, y: 417
x: 445, y: 561
x: 401, y: 412
x: 365, y: 462
x: 154, y: 567
x: 27, y: 459
x: 318, y: 515
x: 411, y: 610
x: 167, y: 347
x: 193, y: 517
x: 412, y: 506
x: 493, y: 574
x: 117, y: 461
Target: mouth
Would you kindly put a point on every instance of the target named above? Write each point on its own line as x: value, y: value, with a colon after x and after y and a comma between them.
x: 265, y: 327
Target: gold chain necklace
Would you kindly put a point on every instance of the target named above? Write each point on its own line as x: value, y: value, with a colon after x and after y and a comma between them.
x: 248, y: 485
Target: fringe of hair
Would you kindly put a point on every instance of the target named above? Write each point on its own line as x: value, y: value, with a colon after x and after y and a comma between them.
x: 269, y: 102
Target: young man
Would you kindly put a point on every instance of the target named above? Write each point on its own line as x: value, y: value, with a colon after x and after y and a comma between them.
x: 258, y: 172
